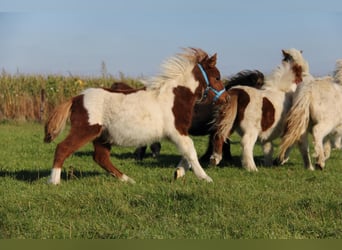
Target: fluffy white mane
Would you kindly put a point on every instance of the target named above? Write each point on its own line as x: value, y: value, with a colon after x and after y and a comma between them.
x: 177, y: 69
x: 281, y: 78
x: 338, y: 72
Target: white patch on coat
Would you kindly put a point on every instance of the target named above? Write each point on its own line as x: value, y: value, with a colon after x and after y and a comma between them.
x: 142, y: 117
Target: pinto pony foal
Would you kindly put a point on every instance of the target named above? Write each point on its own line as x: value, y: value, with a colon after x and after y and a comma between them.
x: 259, y: 113
x: 163, y: 110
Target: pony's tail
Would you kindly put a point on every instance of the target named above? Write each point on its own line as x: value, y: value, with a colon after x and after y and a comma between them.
x: 338, y: 72
x: 56, y: 122
x: 225, y: 116
x: 297, y: 120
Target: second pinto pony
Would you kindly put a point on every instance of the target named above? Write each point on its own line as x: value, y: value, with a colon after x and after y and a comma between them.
x: 259, y: 114
x: 164, y: 110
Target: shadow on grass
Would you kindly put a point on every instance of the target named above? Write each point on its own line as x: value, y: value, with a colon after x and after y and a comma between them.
x: 171, y: 160
x: 162, y: 161
x: 35, y: 175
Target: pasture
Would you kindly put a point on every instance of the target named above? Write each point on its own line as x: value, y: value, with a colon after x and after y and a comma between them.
x: 275, y: 203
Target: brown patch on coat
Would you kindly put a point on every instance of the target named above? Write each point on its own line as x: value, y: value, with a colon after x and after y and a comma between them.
x: 182, y: 109
x: 268, y: 112
x: 80, y: 132
x: 297, y: 70
x: 79, y: 120
x: 243, y: 101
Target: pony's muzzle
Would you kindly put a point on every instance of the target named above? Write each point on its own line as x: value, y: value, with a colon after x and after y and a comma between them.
x: 223, y: 98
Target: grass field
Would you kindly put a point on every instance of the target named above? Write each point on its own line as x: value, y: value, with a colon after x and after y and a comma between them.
x: 279, y: 202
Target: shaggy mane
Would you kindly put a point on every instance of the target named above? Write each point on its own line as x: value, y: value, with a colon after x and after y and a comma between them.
x: 177, y: 67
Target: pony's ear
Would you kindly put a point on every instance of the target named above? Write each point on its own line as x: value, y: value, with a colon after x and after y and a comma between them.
x: 212, y: 60
x: 301, y: 51
x: 284, y: 52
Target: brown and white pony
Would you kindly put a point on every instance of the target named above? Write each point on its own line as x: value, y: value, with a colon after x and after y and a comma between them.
x: 203, y: 114
x: 317, y: 108
x: 163, y: 110
x: 259, y: 113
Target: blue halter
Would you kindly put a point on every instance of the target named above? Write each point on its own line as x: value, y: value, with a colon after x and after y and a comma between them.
x: 216, y: 92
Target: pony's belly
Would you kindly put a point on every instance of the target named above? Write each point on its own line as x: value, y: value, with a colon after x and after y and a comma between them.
x: 133, y: 136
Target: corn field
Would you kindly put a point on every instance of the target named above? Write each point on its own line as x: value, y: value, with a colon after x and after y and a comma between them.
x: 32, y: 97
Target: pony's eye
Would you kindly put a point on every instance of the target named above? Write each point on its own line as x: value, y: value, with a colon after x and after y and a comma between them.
x: 218, y: 78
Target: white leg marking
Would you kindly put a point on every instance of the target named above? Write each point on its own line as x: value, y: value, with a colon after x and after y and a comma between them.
x: 55, y: 177
x: 125, y: 178
x: 215, y: 159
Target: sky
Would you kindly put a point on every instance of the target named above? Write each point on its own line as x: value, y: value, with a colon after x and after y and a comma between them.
x: 135, y: 37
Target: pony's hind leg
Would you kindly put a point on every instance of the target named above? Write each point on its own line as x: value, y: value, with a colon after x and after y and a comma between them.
x: 319, y: 132
x: 102, y: 157
x: 247, y: 142
x: 76, y: 139
x: 304, y: 150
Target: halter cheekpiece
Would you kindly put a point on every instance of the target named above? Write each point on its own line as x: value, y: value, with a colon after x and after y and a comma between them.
x: 216, y: 92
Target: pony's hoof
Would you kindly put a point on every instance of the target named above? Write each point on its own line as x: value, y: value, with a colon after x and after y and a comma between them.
x: 179, y: 173
x: 254, y: 169
x: 215, y: 159
x: 319, y: 166
x: 208, y: 179
x: 125, y: 178
x: 51, y: 182
x: 213, y: 162
x: 278, y: 162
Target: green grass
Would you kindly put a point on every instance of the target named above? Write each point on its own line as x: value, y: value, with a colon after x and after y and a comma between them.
x: 278, y: 202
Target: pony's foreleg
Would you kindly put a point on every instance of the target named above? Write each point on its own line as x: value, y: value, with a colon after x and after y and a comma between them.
x: 216, y: 156
x: 102, y: 157
x: 267, y: 148
x: 226, y: 154
x: 76, y: 139
x: 187, y: 149
x: 304, y: 150
x: 247, y: 143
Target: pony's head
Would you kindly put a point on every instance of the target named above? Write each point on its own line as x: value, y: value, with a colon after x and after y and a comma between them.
x: 298, y: 64
x: 289, y: 73
x: 195, y: 70
x: 211, y: 87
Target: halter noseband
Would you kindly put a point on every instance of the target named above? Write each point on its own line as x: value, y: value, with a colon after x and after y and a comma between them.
x: 216, y: 92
